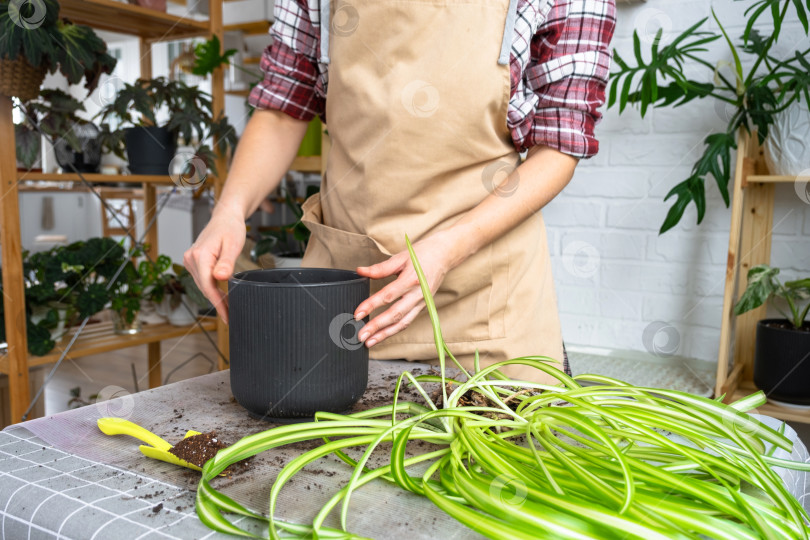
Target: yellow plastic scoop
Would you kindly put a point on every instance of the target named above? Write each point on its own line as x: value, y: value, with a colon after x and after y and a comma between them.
x: 157, y: 449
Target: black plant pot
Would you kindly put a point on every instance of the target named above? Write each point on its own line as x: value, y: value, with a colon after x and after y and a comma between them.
x: 150, y: 149
x: 782, y: 362
x: 294, y: 347
x: 88, y: 159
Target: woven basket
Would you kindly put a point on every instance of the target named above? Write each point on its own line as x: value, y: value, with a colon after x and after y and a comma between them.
x: 20, y: 79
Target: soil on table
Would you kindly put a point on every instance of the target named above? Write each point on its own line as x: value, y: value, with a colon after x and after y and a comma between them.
x: 198, y: 449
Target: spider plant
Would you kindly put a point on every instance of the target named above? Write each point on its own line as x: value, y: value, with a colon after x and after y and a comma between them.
x: 543, y: 461
x: 770, y: 85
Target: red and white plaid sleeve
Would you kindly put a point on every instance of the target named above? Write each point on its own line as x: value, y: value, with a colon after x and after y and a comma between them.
x: 568, y: 72
x: 290, y: 67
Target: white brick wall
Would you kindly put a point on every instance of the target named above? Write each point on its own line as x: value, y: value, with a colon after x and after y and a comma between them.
x: 615, y: 275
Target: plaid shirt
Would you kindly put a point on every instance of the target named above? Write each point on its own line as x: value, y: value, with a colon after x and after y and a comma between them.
x: 559, y: 69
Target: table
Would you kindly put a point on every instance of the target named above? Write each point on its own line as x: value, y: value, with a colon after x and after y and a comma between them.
x: 61, y: 478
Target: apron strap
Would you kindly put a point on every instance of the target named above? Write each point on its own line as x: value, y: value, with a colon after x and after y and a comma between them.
x: 324, y: 13
x: 508, y: 33
x: 506, y: 41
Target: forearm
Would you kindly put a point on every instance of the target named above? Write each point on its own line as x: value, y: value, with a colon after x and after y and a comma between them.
x: 540, y: 178
x: 265, y: 153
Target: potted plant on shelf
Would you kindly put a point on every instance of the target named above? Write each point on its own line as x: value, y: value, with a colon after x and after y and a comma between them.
x: 754, y: 97
x: 782, y: 355
x: 76, y: 142
x: 63, y: 284
x: 35, y: 41
x: 179, y: 297
x: 149, y: 144
x: 132, y: 286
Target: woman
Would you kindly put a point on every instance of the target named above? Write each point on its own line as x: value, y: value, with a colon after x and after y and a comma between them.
x: 428, y: 103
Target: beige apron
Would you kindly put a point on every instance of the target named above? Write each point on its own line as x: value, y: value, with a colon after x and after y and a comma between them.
x: 416, y: 107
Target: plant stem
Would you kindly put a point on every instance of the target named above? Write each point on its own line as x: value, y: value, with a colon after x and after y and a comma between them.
x: 768, y: 45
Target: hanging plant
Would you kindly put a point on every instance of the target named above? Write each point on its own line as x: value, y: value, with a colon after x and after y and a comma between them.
x: 33, y: 39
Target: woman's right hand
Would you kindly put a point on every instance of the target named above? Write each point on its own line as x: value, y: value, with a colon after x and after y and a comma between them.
x: 213, y: 255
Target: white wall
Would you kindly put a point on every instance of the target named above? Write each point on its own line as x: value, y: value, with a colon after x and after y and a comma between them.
x: 616, y: 277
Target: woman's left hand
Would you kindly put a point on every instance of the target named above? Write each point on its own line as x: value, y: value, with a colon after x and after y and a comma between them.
x: 404, y: 295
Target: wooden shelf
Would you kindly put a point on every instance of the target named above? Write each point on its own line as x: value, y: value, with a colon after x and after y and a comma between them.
x: 775, y: 179
x: 150, y: 26
x: 251, y: 60
x: 100, y: 178
x: 747, y: 388
x: 100, y: 338
x: 126, y: 18
x: 250, y: 28
x: 243, y: 93
x: 307, y: 164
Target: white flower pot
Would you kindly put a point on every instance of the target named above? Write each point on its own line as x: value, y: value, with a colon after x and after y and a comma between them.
x: 38, y: 313
x: 179, y: 316
x: 787, y: 147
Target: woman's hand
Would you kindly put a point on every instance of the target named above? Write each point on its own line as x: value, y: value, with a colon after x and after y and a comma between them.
x: 404, y: 295
x: 213, y: 255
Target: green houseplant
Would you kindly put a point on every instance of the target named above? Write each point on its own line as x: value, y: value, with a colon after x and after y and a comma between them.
x: 55, y: 113
x: 178, y: 297
x: 782, y: 354
x: 63, y: 283
x: 150, y: 144
x: 134, y: 284
x: 583, y: 457
x: 757, y: 94
x: 35, y: 41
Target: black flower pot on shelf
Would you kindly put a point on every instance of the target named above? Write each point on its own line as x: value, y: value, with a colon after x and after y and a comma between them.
x: 294, y: 347
x: 88, y: 159
x: 782, y: 361
x: 150, y: 149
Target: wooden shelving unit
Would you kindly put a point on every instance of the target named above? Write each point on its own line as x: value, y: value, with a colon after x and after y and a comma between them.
x: 150, y: 26
x: 252, y: 28
x: 752, y: 200
x: 99, y: 338
x: 99, y: 178
x: 135, y: 20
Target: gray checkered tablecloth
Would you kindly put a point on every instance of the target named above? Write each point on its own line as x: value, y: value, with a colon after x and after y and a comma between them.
x: 61, y: 478
x: 46, y: 493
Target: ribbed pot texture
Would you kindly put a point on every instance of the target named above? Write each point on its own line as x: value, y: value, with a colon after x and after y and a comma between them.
x: 782, y: 363
x: 294, y: 348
